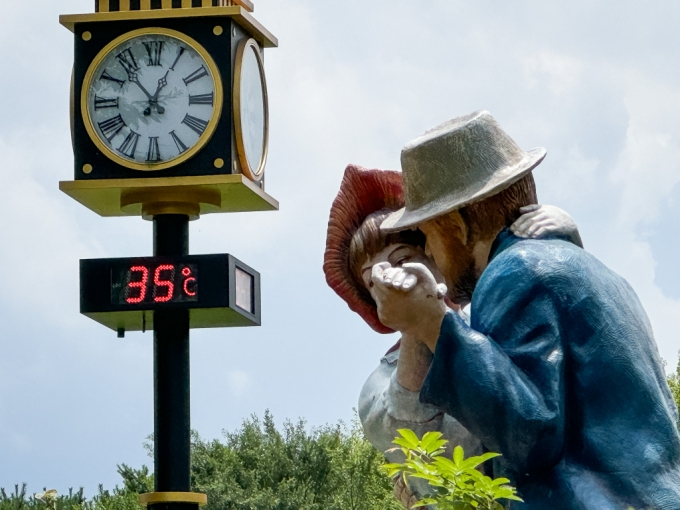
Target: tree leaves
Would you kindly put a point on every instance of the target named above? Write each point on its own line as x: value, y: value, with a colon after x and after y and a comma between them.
x: 458, y: 484
x: 258, y: 467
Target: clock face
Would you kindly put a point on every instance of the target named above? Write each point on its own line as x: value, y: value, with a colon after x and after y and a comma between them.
x: 152, y: 99
x: 251, y: 110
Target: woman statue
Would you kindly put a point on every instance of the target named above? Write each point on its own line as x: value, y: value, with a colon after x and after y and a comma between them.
x: 389, y: 399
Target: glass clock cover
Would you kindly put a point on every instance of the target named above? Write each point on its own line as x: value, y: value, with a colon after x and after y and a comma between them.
x: 252, y: 111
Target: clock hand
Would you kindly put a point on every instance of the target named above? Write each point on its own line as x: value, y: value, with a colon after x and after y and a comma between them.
x: 161, y: 83
x: 135, y: 79
x: 154, y: 101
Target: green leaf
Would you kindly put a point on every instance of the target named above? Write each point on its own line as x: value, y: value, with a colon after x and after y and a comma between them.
x: 410, y: 437
x: 433, y: 444
x: 473, y: 462
x: 500, y: 481
x: 458, y: 455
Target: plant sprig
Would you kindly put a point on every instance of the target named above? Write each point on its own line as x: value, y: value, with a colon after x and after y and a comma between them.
x: 457, y: 482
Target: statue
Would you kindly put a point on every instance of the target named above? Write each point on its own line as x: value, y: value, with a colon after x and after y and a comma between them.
x: 558, y: 370
x: 389, y: 399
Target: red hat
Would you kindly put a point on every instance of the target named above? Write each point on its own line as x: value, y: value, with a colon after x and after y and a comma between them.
x: 362, y: 192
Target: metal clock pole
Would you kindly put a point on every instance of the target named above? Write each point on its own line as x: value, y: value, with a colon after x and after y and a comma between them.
x: 172, y: 426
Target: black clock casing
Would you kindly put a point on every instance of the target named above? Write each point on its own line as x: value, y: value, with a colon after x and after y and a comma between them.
x: 222, y: 48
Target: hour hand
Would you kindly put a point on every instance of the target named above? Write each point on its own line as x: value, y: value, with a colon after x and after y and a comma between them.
x: 162, y: 82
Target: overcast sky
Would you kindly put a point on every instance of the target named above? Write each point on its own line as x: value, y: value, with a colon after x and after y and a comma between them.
x: 595, y: 82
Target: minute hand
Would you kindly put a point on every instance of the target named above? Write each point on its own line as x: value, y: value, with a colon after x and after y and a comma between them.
x: 135, y: 79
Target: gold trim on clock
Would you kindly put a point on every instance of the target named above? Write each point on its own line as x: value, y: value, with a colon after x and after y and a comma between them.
x: 212, y: 123
x: 257, y: 173
x: 239, y: 14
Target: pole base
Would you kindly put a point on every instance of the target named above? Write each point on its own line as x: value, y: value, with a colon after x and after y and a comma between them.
x: 152, y: 498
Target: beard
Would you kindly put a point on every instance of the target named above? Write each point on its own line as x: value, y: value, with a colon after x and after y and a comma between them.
x: 460, y: 291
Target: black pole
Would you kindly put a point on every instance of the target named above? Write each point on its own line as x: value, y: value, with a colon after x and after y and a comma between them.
x: 172, y: 425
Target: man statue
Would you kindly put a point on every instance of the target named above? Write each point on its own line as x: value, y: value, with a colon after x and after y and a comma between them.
x: 558, y: 370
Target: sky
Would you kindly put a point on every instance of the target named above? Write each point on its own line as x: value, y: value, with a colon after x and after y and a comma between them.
x: 595, y: 82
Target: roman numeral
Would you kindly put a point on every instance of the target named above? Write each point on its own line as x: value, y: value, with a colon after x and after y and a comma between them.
x: 105, y: 102
x: 154, y: 49
x: 196, y: 75
x: 197, y: 125
x: 129, y: 145
x: 107, y: 76
x: 208, y: 99
x: 127, y: 60
x: 179, y: 143
x: 111, y: 127
x: 154, y: 154
x: 179, y: 55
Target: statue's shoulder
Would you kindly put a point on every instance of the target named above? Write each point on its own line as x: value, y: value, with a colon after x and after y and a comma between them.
x: 542, y: 262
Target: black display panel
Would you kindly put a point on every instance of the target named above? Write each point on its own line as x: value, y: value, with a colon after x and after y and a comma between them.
x: 122, y: 294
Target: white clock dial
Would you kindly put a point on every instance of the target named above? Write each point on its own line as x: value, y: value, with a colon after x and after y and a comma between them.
x: 152, y: 100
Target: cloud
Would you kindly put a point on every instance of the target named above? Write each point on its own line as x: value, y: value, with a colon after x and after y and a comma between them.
x: 41, y: 241
x: 559, y: 73
x: 239, y: 383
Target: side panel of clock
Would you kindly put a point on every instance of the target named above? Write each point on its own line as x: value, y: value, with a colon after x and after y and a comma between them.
x: 220, y: 147
x: 238, y: 35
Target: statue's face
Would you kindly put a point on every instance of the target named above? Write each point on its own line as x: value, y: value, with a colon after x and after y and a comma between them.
x: 452, y: 256
x: 398, y: 254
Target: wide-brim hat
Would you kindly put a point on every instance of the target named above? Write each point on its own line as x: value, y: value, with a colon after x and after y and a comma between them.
x: 362, y: 192
x: 460, y: 162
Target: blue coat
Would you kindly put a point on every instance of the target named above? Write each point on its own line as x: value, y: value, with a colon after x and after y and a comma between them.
x: 559, y: 372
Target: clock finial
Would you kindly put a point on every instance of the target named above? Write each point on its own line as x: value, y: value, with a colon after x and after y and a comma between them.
x: 146, y: 5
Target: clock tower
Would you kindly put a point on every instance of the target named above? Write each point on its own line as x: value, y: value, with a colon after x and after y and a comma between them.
x: 170, y: 121
x: 169, y: 100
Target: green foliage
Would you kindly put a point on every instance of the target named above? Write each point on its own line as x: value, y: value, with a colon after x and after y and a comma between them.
x: 674, y: 383
x: 118, y: 499
x: 47, y: 500
x: 256, y: 468
x: 261, y: 468
x: 51, y: 500
x: 458, y: 484
x: 136, y: 481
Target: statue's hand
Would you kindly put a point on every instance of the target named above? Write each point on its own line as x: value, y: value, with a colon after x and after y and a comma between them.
x: 403, y: 494
x: 538, y: 221
x: 409, y: 300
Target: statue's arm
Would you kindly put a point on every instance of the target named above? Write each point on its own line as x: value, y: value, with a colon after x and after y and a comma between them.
x: 385, y: 406
x: 541, y: 221
x: 503, y: 380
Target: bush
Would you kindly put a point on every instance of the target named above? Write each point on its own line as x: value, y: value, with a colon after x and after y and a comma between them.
x: 255, y: 468
x: 261, y: 468
x: 120, y: 499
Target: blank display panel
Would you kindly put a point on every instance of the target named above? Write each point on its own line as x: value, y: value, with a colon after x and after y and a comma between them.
x: 244, y: 290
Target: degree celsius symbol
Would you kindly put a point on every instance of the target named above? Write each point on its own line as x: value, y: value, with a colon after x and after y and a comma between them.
x: 189, y: 280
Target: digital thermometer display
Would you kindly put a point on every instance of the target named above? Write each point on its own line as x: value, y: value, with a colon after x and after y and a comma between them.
x: 123, y: 294
x: 142, y: 284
